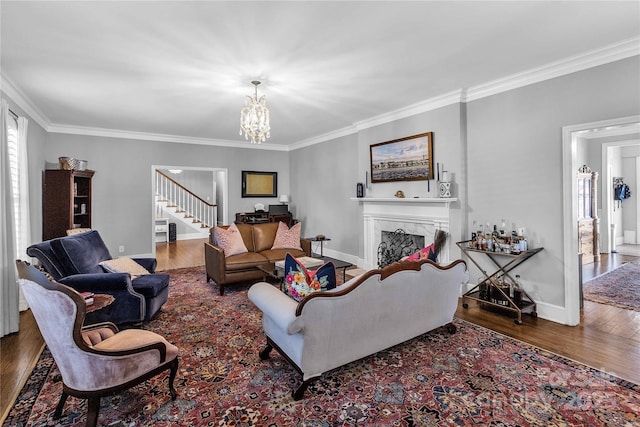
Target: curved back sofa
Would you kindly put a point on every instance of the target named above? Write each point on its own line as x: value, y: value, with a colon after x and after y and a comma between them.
x: 367, y: 314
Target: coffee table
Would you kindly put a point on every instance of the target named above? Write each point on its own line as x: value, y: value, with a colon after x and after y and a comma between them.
x: 338, y: 264
x: 276, y: 271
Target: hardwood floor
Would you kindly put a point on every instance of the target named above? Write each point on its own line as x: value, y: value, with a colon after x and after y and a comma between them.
x: 608, y: 338
x: 179, y: 254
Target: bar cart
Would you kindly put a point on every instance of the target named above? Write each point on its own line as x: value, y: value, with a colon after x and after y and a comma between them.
x: 491, y: 290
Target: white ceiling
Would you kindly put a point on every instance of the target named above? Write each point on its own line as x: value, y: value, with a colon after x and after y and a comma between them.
x: 182, y: 68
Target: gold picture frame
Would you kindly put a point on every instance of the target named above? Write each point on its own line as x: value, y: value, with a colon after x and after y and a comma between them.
x: 259, y: 184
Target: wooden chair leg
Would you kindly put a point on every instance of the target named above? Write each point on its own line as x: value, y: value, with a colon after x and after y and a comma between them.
x: 92, y: 414
x: 58, y: 413
x: 172, y: 376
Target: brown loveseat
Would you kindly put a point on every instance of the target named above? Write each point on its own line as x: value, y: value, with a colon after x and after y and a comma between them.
x: 258, y: 238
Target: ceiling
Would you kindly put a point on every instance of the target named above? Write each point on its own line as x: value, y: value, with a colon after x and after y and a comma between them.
x: 181, y: 69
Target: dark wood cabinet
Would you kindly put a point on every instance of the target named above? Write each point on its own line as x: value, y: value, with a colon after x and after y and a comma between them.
x: 66, y: 201
x: 260, y: 217
x: 251, y: 217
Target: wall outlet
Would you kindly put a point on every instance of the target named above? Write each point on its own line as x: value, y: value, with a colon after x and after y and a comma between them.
x: 121, y: 248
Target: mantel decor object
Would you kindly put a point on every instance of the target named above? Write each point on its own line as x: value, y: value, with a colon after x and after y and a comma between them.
x: 444, y: 186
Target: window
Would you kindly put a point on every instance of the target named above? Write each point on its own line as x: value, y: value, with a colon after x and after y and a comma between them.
x: 12, y: 134
x: 19, y: 185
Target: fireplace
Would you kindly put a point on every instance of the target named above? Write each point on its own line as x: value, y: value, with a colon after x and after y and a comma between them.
x: 419, y: 217
x: 396, y: 245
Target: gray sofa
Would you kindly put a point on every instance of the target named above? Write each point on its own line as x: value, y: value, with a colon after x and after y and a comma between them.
x: 367, y: 314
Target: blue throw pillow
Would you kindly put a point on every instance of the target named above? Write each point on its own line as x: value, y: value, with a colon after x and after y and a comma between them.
x: 300, y: 282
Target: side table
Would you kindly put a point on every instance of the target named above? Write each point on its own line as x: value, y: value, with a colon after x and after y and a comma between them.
x: 489, y: 292
x: 321, y: 240
x: 100, y: 301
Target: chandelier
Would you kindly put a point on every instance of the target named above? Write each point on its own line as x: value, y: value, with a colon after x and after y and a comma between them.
x: 254, y: 118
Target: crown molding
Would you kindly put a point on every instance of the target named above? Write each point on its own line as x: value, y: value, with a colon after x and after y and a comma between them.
x: 621, y: 50
x: 159, y: 137
x: 411, y: 110
x: 23, y: 101
x: 348, y: 130
x: 454, y: 97
x: 615, y: 52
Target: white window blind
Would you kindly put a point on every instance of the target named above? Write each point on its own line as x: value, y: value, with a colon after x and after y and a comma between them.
x: 12, y: 125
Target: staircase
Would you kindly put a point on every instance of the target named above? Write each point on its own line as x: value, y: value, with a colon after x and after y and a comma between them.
x: 180, y: 204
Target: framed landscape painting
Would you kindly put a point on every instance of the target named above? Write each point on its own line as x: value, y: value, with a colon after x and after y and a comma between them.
x: 259, y: 184
x: 404, y: 159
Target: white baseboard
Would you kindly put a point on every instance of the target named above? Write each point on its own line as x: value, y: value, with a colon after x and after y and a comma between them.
x: 191, y: 236
x: 629, y: 237
x: 341, y: 256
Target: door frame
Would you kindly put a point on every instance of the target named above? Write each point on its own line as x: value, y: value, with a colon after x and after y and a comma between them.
x: 570, y: 135
x: 224, y: 190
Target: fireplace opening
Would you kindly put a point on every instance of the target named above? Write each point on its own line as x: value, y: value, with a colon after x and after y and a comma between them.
x: 395, y: 245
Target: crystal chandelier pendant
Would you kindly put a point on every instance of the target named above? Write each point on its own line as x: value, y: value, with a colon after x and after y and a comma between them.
x: 254, y: 118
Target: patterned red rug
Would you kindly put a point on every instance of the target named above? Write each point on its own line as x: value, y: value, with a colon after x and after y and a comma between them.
x: 474, y: 377
x: 619, y: 287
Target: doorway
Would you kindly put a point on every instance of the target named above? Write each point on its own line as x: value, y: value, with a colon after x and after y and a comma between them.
x: 622, y: 128
x: 210, y: 184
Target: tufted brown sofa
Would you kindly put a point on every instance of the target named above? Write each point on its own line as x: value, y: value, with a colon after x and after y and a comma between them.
x: 258, y: 238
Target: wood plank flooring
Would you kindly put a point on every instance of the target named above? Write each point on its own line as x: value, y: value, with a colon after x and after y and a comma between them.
x: 608, y: 338
x: 180, y: 254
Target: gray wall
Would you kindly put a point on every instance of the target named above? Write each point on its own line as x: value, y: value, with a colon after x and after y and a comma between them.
x: 323, y: 178
x: 515, y: 157
x: 199, y: 182
x: 122, y: 185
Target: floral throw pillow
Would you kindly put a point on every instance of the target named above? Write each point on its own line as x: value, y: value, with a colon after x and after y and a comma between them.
x: 287, y: 238
x: 300, y: 282
x: 230, y: 240
x: 423, y: 253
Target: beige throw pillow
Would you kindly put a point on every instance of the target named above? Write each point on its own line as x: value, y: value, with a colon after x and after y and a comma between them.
x: 124, y: 265
x: 287, y: 238
x: 230, y: 240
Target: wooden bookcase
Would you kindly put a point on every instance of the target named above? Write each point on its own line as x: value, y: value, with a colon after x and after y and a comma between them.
x: 66, y: 201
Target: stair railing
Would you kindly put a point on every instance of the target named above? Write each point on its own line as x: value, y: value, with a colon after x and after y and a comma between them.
x: 185, y: 201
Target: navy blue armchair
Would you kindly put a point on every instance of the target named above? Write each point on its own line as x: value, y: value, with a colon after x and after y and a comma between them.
x: 75, y: 261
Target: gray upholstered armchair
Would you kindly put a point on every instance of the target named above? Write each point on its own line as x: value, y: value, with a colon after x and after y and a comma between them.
x: 96, y: 360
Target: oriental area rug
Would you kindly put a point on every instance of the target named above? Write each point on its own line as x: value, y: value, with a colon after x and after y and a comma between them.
x: 473, y: 377
x: 619, y: 287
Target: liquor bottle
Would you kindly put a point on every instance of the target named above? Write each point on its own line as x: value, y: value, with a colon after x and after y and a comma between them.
x: 517, y: 291
x: 503, y: 228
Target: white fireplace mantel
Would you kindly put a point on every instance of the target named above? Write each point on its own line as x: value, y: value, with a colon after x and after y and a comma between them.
x: 420, y: 216
x: 444, y: 200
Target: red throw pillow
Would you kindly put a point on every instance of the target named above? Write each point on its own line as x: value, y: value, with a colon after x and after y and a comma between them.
x: 426, y: 252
